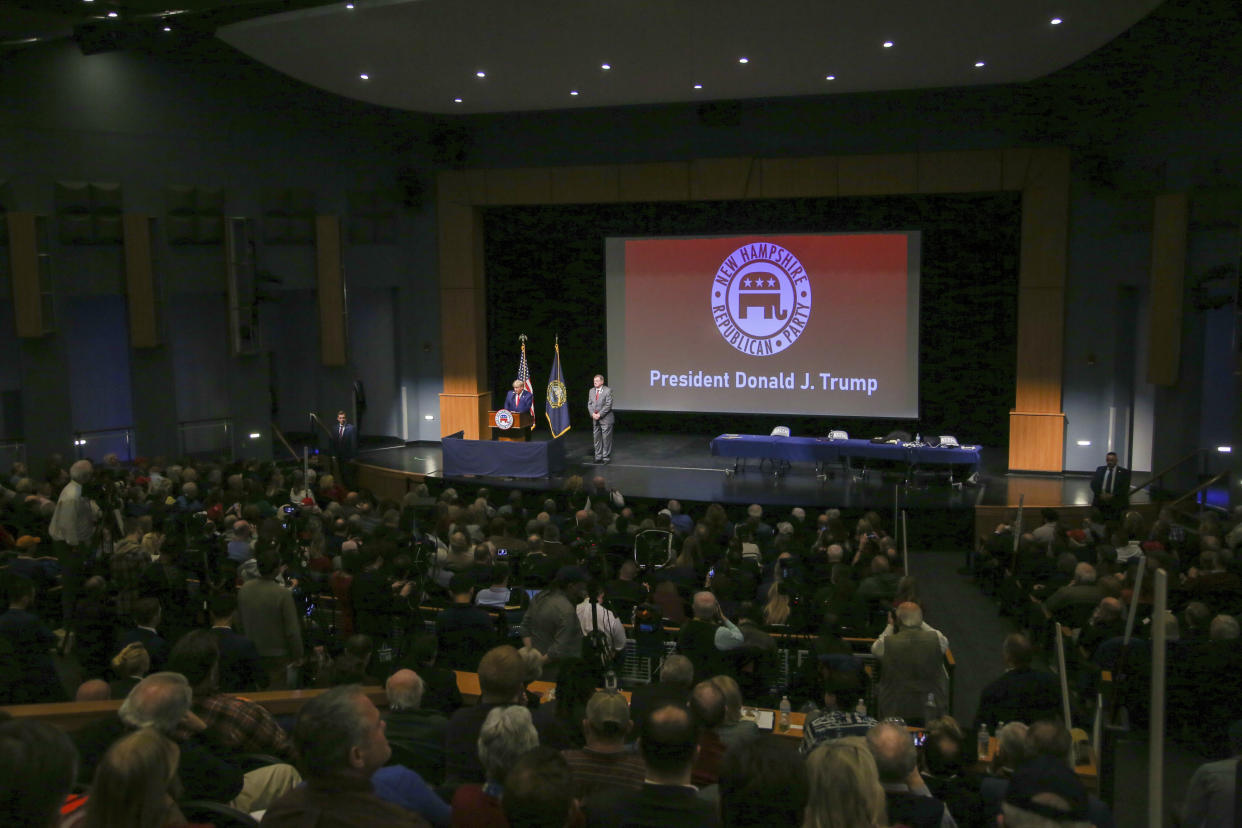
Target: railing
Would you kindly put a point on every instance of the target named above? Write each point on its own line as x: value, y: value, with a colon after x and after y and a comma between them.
x: 210, y: 438
x: 1194, y: 493
x: 97, y: 444
x: 1198, y: 454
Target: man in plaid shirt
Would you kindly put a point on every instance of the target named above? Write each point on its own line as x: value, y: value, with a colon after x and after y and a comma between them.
x: 233, y: 722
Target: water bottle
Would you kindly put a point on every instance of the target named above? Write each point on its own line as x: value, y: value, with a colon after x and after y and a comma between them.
x: 984, y: 740
x: 785, y: 708
x: 861, y: 708
x: 929, y: 710
x: 610, y: 681
x: 918, y: 439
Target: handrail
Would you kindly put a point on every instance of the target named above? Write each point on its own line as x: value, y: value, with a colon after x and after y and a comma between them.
x: 1192, y: 456
x: 225, y: 420
x: 281, y: 437
x: 315, y: 419
x: 1201, y: 487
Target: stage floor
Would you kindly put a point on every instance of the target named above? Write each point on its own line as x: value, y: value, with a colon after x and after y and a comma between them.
x: 682, y: 466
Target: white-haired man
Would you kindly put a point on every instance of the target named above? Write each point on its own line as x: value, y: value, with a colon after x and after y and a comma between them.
x: 72, y: 526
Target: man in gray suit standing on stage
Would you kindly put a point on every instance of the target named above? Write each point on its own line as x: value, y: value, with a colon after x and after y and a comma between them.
x: 599, y: 403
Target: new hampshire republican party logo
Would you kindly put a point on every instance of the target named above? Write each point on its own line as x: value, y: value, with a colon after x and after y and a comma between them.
x: 761, y: 299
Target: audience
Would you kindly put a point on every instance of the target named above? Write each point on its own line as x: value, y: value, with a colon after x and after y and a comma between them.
x: 668, y: 743
x: 136, y: 784
x: 339, y: 737
x: 306, y: 570
x: 38, y: 768
x: 505, y: 734
x: 762, y: 784
x: 605, y: 762
x: 843, y: 787
x: 906, y: 796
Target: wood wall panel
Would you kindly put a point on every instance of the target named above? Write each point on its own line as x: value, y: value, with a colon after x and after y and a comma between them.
x: 1045, y: 220
x: 330, y: 282
x: 720, y: 179
x: 1036, y: 441
x: 140, y: 282
x: 1016, y: 164
x: 585, y: 185
x: 1170, y: 221
x: 654, y: 182
x: 970, y: 171
x: 519, y: 186
x: 798, y: 177
x: 463, y: 322
x: 461, y: 246
x: 1041, y: 322
x: 27, y: 283
x: 464, y: 412
x: 867, y: 175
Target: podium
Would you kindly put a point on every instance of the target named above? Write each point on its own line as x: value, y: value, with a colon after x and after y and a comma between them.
x: 513, y: 426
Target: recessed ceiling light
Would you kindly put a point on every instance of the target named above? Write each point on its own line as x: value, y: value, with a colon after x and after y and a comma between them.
x: 168, y: 28
x: 365, y: 76
x: 698, y: 86
x: 456, y: 100
x: 605, y: 66
x: 831, y: 77
x: 574, y: 92
x: 743, y: 60
x: 1056, y: 21
x: 979, y: 64
x: 113, y: 14
x: 480, y: 74
x: 888, y: 44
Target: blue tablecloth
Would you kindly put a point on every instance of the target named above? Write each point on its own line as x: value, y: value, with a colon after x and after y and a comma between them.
x: 823, y: 450
x: 500, y: 458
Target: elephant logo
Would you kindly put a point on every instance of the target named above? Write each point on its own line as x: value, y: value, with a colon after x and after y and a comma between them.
x: 761, y: 299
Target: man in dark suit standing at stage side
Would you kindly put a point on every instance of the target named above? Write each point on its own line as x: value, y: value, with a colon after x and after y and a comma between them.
x: 599, y: 403
x: 345, y: 447
x: 1111, y: 485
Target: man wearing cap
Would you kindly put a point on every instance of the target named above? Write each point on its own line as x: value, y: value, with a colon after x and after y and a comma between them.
x: 605, y: 763
x: 551, y: 624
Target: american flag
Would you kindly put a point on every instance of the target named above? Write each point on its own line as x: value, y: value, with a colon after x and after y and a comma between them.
x: 524, y: 376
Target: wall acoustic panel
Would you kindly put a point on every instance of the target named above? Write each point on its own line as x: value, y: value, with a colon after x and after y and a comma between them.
x: 331, y: 290
x: 1168, y: 272
x: 28, y: 315
x: 140, y: 291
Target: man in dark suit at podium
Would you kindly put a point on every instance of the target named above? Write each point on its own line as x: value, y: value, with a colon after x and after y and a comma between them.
x: 1111, y: 485
x: 520, y: 400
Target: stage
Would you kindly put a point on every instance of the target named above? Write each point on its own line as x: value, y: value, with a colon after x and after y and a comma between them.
x: 682, y: 466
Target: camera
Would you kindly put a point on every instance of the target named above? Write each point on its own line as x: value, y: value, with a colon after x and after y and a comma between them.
x: 502, y: 553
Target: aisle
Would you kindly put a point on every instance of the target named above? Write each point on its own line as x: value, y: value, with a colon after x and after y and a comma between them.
x: 956, y: 607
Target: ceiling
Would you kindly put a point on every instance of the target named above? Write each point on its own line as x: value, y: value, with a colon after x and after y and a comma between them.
x: 426, y: 55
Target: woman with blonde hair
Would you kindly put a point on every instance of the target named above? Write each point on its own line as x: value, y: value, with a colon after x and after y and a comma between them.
x: 845, y: 787
x: 733, y: 730
x: 136, y: 784
x: 776, y: 610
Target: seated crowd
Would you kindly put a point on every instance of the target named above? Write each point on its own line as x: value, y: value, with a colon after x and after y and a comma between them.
x: 177, y: 588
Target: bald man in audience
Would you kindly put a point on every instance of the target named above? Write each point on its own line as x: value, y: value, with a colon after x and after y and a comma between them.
x: 93, y: 690
x: 909, y: 801
x: 416, y: 733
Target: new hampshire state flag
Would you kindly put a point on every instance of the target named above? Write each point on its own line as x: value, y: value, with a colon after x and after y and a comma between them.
x: 557, y: 407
